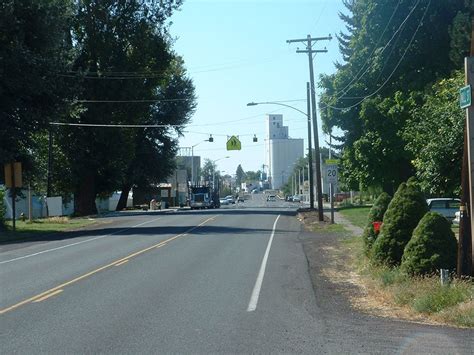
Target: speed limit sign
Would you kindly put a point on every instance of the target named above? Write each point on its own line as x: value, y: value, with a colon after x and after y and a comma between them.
x: 331, y: 174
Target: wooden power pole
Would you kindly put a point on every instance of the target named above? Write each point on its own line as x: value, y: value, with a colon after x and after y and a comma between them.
x: 465, y: 246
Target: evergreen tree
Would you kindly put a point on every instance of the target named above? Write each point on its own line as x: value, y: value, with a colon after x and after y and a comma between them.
x: 404, y: 212
x: 432, y: 246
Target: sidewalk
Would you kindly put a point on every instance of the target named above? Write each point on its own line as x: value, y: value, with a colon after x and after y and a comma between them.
x: 339, y: 219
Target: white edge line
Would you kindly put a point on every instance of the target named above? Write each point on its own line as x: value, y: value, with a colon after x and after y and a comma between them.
x: 77, y: 243
x: 258, y: 283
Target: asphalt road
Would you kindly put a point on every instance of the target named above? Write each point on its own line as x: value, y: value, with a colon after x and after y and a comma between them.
x: 232, y: 280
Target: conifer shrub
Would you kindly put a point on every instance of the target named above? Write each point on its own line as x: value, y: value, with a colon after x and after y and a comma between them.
x: 432, y: 246
x: 404, y: 212
x: 375, y: 214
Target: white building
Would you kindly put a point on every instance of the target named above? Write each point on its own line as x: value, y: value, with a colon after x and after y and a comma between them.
x: 281, y: 152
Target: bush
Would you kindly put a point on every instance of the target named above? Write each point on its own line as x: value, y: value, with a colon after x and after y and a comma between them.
x: 402, y: 216
x: 3, y: 209
x: 376, y: 214
x: 432, y: 247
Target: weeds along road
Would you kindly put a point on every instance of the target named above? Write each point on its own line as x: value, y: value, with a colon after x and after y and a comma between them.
x: 230, y: 280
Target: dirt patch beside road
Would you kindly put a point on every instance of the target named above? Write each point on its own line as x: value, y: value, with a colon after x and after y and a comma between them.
x: 333, y: 254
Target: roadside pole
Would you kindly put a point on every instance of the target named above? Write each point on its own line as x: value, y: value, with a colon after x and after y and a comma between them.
x: 466, y: 232
x: 13, y: 180
x: 13, y: 196
x: 331, y: 186
x: 30, y: 204
x: 465, y: 246
x: 309, y: 41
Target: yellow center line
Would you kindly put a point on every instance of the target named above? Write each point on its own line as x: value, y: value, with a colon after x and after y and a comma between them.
x: 90, y: 273
x: 122, y: 262
x: 48, y: 296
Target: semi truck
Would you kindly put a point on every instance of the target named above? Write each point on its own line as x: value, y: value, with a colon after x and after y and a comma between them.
x: 203, y: 197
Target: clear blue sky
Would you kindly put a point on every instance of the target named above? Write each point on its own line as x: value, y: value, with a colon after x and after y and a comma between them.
x: 236, y: 52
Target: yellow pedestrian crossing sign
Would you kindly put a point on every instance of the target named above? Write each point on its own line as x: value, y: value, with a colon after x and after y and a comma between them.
x: 233, y: 143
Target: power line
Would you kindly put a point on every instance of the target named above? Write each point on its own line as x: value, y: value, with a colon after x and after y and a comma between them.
x: 131, y: 101
x: 370, y: 57
x: 114, y: 125
x: 393, y: 71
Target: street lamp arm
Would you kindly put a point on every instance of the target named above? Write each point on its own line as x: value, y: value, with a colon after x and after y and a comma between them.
x: 276, y: 103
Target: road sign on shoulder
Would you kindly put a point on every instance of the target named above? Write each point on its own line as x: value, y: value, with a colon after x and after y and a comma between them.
x: 465, y: 96
x: 332, y: 161
x: 331, y: 174
x: 233, y: 143
x: 16, y: 167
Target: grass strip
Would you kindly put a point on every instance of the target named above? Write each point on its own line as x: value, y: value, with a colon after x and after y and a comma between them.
x: 41, y: 227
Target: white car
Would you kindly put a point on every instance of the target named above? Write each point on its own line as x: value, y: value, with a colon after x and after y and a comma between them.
x: 230, y: 198
x: 224, y: 201
x: 445, y: 206
x: 457, y: 218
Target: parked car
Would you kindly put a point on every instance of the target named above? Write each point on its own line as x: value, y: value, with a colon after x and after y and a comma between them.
x: 230, y: 198
x: 224, y: 201
x: 457, y: 218
x: 445, y: 206
x: 296, y: 198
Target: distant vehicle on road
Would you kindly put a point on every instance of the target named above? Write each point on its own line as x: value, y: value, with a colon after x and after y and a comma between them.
x: 203, y: 197
x: 296, y: 198
x: 230, y: 198
x: 445, y: 206
x: 271, y: 198
x: 224, y: 201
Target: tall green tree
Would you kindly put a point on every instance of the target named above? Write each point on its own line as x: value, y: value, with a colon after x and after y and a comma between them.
x: 384, y: 49
x: 123, y: 54
x: 434, y: 136
x: 239, y: 175
x: 208, y: 170
x: 34, y: 48
x: 154, y: 153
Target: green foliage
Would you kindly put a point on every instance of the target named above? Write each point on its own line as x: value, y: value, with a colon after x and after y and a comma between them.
x: 371, y: 96
x: 434, y: 136
x: 208, y: 170
x: 34, y: 49
x: 376, y: 213
x: 252, y: 176
x: 3, y: 209
x: 239, y: 175
x: 128, y: 47
x: 402, y: 216
x: 440, y: 298
x: 432, y: 246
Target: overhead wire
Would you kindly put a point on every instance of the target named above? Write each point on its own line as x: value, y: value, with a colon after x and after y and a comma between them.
x: 393, y: 71
x: 370, y: 57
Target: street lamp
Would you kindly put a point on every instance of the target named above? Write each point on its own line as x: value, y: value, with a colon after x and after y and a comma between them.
x: 211, y: 139
x: 214, y: 170
x: 310, y: 155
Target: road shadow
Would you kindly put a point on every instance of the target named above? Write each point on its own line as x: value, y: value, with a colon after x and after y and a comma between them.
x: 117, y: 232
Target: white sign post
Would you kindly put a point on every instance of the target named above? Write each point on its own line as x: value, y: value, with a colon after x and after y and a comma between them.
x: 331, y: 176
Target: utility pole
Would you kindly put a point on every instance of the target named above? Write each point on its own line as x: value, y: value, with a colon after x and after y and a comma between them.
x: 310, y: 51
x: 465, y: 246
x: 310, y: 150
